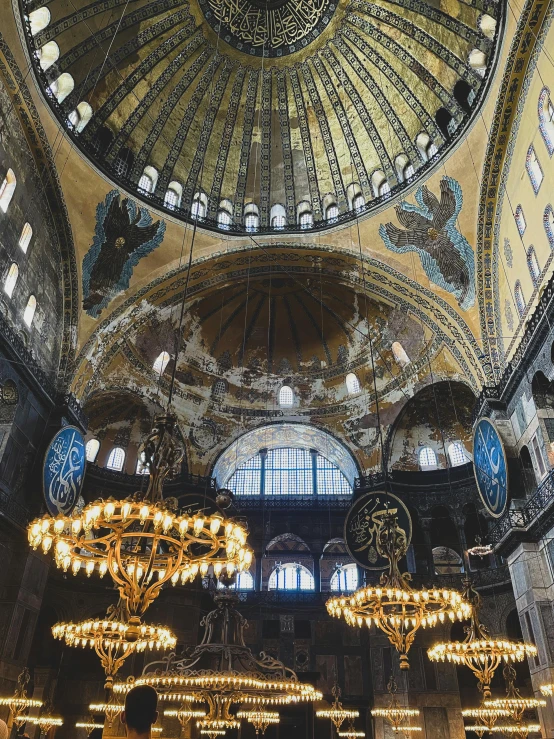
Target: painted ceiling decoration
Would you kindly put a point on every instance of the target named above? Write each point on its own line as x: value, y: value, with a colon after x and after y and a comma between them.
x: 350, y: 100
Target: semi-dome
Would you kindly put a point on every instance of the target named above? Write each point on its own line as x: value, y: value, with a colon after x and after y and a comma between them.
x: 260, y: 116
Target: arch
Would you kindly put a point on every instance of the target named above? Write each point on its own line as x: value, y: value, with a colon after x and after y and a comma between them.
x: 278, y: 216
x: 80, y: 116
x: 287, y: 542
x: 487, y: 26
x: 335, y: 546
x: 101, y: 141
x: 399, y: 354
x: 548, y: 222
x: 330, y: 207
x: 142, y: 467
x: 445, y: 121
x: 279, y: 435
x: 161, y: 362
x: 48, y: 55
x: 219, y: 390
x: 62, y: 87
x: 29, y: 312
x: 533, y: 265
x: 251, y: 217
x: 477, y: 60
x: 527, y: 471
x: 173, y: 195
x: 39, y: 19
x: 25, y: 237
x: 243, y: 581
x: 534, y: 169
x: 457, y: 454
x: 543, y: 391
x: 148, y: 180
x: 447, y: 561
x: 427, y: 458
x: 116, y: 459
x: 546, y: 119
x: 354, y: 195
x: 379, y: 183
x: 304, y: 214
x: 11, y: 279
x: 426, y: 146
x: 404, y: 168
x: 519, y: 299
x: 521, y: 223
x: 352, y: 384
x: 7, y: 190
x: 199, y: 206
x: 225, y: 214
x: 124, y: 161
x: 91, y: 450
x: 345, y: 578
x: 291, y: 576
x: 286, y: 396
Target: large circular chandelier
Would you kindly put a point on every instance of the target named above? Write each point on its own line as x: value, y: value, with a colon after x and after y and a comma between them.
x: 337, y: 713
x: 115, y: 637
x: 514, y: 703
x: 394, y: 606
x: 222, y: 671
x: 519, y: 731
x: 479, y: 651
x: 19, y: 703
x: 143, y: 541
x: 486, y: 716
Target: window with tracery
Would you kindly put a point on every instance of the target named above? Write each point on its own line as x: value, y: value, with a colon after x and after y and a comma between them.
x: 345, y: 579
x: 91, y: 450
x: 289, y: 471
x: 534, y: 169
x: 427, y: 458
x: 291, y: 576
x: 116, y: 459
x: 457, y: 454
x: 286, y: 396
x: 145, y: 184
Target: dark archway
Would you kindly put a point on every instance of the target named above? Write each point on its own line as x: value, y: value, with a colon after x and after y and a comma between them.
x: 443, y: 118
x: 527, y: 471
x: 543, y: 391
x: 462, y: 93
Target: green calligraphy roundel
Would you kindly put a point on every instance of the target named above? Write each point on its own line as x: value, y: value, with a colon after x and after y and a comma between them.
x: 362, y: 522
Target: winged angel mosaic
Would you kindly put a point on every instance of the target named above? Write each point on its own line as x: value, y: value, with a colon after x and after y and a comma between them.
x: 430, y: 230
x: 124, y: 234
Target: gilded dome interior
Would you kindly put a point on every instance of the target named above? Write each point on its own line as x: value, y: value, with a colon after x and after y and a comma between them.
x: 264, y: 116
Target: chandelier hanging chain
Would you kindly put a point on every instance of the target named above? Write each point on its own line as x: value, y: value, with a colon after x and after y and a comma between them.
x: 19, y: 703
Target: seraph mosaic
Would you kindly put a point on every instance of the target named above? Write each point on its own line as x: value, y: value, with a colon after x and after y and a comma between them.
x: 430, y: 230
x: 124, y: 234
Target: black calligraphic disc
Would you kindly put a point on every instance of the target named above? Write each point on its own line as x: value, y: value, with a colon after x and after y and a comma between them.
x: 362, y: 522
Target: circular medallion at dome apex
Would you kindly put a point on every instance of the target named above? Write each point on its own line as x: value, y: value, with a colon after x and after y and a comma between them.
x: 196, y: 127
x: 268, y: 28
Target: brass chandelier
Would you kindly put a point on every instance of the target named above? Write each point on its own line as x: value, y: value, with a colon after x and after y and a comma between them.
x: 115, y: 637
x: 547, y: 689
x: 18, y: 703
x: 144, y: 542
x: 222, y: 671
x: 514, y: 703
x: 260, y: 718
x: 479, y: 651
x: 337, y: 713
x: 395, y: 714
x: 394, y: 606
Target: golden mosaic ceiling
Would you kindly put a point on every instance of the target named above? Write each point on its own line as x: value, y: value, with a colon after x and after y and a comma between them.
x: 287, y: 103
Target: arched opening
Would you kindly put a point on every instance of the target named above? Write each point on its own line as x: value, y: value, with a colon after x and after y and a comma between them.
x: 478, y: 61
x: 379, y: 183
x: 116, y: 459
x: 251, y: 217
x: 457, y: 454
x: 30, y: 309
x: 404, y: 168
x: 7, y: 190
x: 345, y: 579
x: 124, y: 162
x: 353, y: 384
x: 243, y: 581
x: 91, y: 450
x: 533, y: 265
x: 219, y: 389
x: 225, y: 214
x: 546, y: 119
x: 286, y: 397
x: 62, y: 87
x: 291, y: 576
x: 148, y: 180
x: 356, y: 200
x: 38, y: 20
x: 548, y: 222
x: 305, y: 215
x: 487, y: 25
x: 25, y: 238
x: 11, y: 279
x: 527, y: 472
x: 543, y: 392
x: 102, y: 141
x: 447, y: 561
x: 427, y: 458
x: 48, y: 55
x: 399, y: 354
x: 199, y: 207
x: 162, y: 360
x: 426, y: 146
x: 330, y: 208
x: 519, y: 299
x: 278, y: 216
x: 534, y: 169
x: 173, y: 195
x: 80, y: 116
x: 445, y: 122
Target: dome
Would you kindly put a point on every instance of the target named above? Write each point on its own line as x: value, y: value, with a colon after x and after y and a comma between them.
x: 265, y: 115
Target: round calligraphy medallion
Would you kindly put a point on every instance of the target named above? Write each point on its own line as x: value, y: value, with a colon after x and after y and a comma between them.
x: 490, y: 467
x: 63, y: 471
x: 362, y: 522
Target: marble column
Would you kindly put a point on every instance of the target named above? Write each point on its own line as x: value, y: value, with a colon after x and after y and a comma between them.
x: 532, y: 580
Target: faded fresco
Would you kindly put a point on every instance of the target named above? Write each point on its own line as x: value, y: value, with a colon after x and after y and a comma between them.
x: 431, y: 231
x: 124, y: 234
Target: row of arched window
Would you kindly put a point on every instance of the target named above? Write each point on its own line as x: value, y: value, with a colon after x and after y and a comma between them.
x: 457, y: 456
x: 294, y: 576
x: 7, y: 190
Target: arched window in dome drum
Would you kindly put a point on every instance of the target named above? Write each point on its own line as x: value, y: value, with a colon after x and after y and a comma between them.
x: 520, y: 220
x: 11, y: 279
x: 251, y: 217
x: 62, y: 87
x: 399, y: 354
x: 25, y: 237
x: 519, y: 299
x: 173, y: 195
x: 7, y: 190
x: 533, y: 265
x: 286, y: 397
x: 487, y: 25
x: 427, y: 458
x: 352, y: 384
x: 224, y: 214
x: 48, y: 55
x: 116, y: 459
x: 548, y: 221
x: 91, y: 450
x: 30, y: 309
x: 219, y: 388
x: 379, y: 183
x: 425, y: 145
x: 404, y: 168
x: 546, y: 119
x: 161, y: 363
x: 39, y: 19
x: 80, y: 116
x: 457, y: 454
x: 478, y: 61
x: 124, y: 162
x: 356, y: 200
x: 445, y: 121
x: 199, y: 206
x: 305, y: 216
x: 291, y: 576
x: 101, y: 141
x: 148, y: 180
x: 278, y: 216
x: 534, y: 169
x: 345, y: 579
